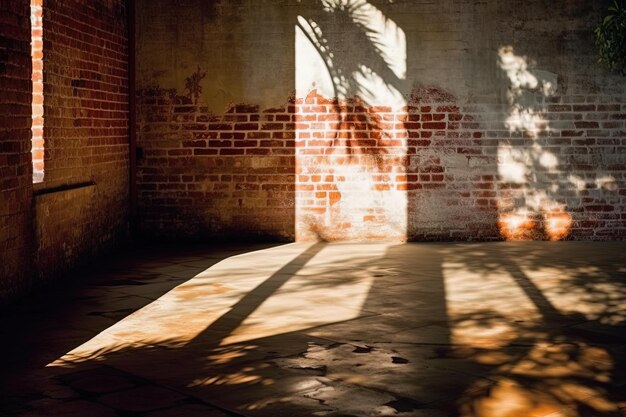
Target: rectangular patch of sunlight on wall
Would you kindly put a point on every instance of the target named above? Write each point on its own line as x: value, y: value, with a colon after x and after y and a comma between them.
x: 351, y: 96
x: 318, y: 66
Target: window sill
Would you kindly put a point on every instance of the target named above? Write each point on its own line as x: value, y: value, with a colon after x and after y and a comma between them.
x: 42, y: 188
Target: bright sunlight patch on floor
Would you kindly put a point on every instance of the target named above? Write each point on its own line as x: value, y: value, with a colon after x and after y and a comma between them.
x: 512, y: 330
x: 246, y: 297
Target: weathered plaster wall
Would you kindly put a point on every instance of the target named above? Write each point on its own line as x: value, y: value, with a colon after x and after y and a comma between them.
x: 215, y: 131
x: 246, y: 47
x: 399, y: 120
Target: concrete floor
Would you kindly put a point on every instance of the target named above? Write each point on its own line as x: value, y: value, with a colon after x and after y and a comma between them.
x: 529, y: 329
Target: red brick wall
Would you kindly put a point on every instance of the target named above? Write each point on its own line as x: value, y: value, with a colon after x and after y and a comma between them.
x: 86, y: 91
x: 204, y: 174
x: 363, y: 171
x: 583, y: 196
x: 434, y: 170
x: 15, y: 162
x: 85, y: 131
x: 452, y: 123
x: 81, y: 207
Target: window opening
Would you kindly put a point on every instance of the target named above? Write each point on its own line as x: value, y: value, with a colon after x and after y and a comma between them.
x: 36, y: 10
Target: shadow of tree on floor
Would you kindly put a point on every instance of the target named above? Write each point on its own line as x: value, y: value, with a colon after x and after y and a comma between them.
x: 526, y: 331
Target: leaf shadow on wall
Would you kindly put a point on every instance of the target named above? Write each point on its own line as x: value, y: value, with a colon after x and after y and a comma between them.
x: 556, y: 171
x: 363, y: 56
x: 407, y: 163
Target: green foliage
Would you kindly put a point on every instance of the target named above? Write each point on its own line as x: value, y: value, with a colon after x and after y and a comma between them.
x: 611, y: 38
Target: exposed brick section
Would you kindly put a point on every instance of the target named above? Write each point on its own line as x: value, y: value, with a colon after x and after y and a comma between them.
x: 352, y: 165
x: 52, y: 212
x: 505, y: 133
x: 85, y: 137
x: 203, y: 174
x: 86, y: 91
x: 433, y: 170
x: 577, y: 176
x: 373, y: 172
x: 15, y: 161
x: 86, y: 130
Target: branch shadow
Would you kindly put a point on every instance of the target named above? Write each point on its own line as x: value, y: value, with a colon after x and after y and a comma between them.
x: 353, y: 329
x: 564, y: 358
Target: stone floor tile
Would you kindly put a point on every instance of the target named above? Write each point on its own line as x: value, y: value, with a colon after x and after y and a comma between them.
x: 252, y: 387
x: 434, y: 334
x: 190, y: 410
x: 333, y: 398
x: 371, y: 329
x: 77, y: 408
x: 142, y: 399
x: 99, y: 384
